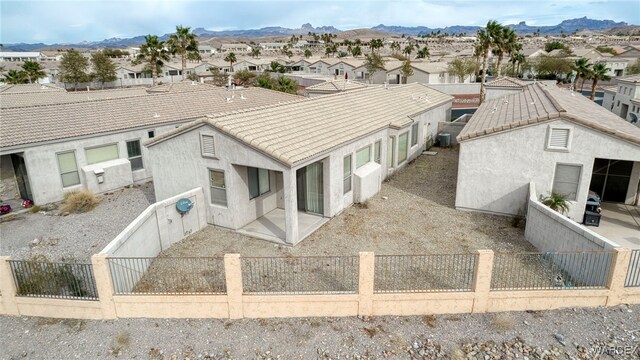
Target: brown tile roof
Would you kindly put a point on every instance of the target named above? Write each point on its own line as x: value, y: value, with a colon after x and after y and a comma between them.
x: 542, y: 102
x: 35, y: 124
x: 505, y: 81
x: 294, y: 132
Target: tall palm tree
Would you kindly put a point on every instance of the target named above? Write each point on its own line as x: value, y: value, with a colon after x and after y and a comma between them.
x: 395, y: 46
x: 518, y: 58
x: 423, y: 53
x: 583, y: 68
x: 375, y: 44
x: 154, y: 53
x: 356, y: 51
x: 408, y: 50
x: 598, y: 72
x: 33, y: 71
x: 230, y: 58
x: 505, y: 42
x: 486, y: 40
x: 255, y: 52
x: 15, y: 77
x: 183, y: 42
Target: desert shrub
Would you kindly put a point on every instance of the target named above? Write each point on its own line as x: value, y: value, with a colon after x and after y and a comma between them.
x: 79, y: 201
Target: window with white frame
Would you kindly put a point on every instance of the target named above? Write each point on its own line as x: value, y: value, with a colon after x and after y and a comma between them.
x: 346, y: 174
x: 134, y: 154
x: 559, y: 138
x: 566, y: 180
x: 377, y: 151
x: 363, y: 156
x: 403, y: 140
x: 391, y: 150
x: 414, y: 134
x: 218, y: 188
x: 68, y: 168
x: 101, y: 153
x: 208, y: 145
x: 258, y: 182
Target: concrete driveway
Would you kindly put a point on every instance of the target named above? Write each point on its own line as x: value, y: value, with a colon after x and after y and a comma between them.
x: 620, y: 223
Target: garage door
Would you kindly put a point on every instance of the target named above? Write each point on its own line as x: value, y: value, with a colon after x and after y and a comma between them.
x: 611, y: 178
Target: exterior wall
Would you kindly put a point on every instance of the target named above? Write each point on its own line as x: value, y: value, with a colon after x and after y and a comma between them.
x: 457, y: 89
x: 607, y: 100
x: 625, y: 92
x: 494, y: 171
x: 42, y: 163
x: 116, y: 174
x: 343, y: 68
x: 8, y: 184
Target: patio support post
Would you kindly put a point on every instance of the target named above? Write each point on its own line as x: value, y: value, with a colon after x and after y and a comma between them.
x: 7, y: 288
x: 482, y: 281
x: 618, y: 274
x: 290, y: 206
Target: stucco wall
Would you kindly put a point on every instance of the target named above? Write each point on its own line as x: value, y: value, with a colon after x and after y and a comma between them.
x: 8, y: 184
x: 494, y: 171
x: 452, y: 89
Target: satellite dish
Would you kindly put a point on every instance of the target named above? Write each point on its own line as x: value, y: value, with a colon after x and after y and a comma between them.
x: 184, y: 205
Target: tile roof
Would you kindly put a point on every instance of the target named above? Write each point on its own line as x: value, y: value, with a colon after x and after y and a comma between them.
x: 630, y: 78
x: 31, y: 125
x: 14, y: 100
x: 29, y: 88
x: 506, y: 81
x: 294, y: 132
x: 542, y: 102
x: 336, y: 85
x: 181, y: 86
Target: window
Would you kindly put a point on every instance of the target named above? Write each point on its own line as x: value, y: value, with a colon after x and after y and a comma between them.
x: 414, y: 134
x: 390, y: 151
x: 559, y: 138
x: 363, y: 156
x: 402, y: 147
x: 218, y: 189
x: 346, y: 174
x: 102, y: 153
x: 566, y: 180
x: 134, y: 154
x: 258, y: 182
x: 377, y: 151
x: 68, y: 168
x: 151, y: 134
x: 208, y: 145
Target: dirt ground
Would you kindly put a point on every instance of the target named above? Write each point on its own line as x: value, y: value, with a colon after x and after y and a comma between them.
x: 413, y: 214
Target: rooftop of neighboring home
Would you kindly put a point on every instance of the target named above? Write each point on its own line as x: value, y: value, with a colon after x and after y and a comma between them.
x: 427, y: 67
x: 507, y: 82
x: 60, y: 122
x: 540, y: 102
x: 630, y: 79
x: 336, y: 85
x: 50, y: 97
x: 29, y: 89
x: 293, y: 132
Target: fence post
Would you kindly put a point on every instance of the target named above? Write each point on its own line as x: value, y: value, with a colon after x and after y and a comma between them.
x: 233, y: 278
x: 7, y: 287
x: 618, y: 274
x: 482, y: 281
x: 365, y: 283
x: 104, y: 285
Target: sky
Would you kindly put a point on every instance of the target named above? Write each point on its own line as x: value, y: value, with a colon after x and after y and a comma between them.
x: 50, y: 21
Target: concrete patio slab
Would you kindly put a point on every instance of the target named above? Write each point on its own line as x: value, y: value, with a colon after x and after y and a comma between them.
x: 620, y: 223
x: 271, y: 226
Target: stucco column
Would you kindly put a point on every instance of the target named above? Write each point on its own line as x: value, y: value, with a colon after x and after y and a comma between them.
x: 104, y: 285
x: 290, y: 206
x: 233, y: 278
x: 482, y: 281
x: 365, y: 283
x: 7, y: 288
x: 620, y: 267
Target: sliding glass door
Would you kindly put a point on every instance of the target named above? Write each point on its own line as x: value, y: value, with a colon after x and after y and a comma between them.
x: 310, y: 188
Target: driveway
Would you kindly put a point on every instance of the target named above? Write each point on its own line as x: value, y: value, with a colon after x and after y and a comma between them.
x: 620, y: 223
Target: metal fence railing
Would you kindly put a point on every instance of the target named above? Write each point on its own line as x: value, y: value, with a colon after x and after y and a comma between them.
x: 168, y: 275
x: 546, y: 271
x: 633, y: 273
x: 300, y: 275
x: 54, y: 280
x: 424, y: 273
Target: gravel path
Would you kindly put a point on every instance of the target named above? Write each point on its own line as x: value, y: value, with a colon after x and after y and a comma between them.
x: 542, y: 335
x: 77, y: 236
x: 413, y: 214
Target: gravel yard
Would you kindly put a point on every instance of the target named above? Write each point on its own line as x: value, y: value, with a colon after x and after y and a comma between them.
x: 413, y: 214
x: 74, y: 237
x: 560, y: 334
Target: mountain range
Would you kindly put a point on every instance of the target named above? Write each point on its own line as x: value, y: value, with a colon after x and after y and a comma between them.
x: 566, y: 26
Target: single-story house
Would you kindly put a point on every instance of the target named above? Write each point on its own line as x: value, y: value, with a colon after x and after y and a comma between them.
x: 236, y: 48
x: 424, y: 73
x: 332, y: 87
x: 280, y: 172
x: 502, y: 86
x: 90, y: 143
x: 562, y: 142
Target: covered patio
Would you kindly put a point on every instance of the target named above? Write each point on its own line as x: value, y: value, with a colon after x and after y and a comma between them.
x: 620, y: 223
x: 272, y: 227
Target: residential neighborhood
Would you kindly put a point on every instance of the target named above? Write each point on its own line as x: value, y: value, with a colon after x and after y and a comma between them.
x: 444, y: 188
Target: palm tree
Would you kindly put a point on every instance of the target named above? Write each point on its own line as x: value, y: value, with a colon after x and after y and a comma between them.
x: 486, y: 40
x: 154, y: 53
x: 598, y: 72
x: 408, y: 50
x: 33, y: 71
x: 423, y: 53
x: 255, y: 52
x: 375, y: 44
x: 518, y: 58
x: 15, y: 77
x: 583, y: 69
x: 356, y: 51
x: 183, y: 42
x: 307, y: 53
x: 556, y: 202
x: 395, y: 46
x: 230, y: 58
x: 505, y: 42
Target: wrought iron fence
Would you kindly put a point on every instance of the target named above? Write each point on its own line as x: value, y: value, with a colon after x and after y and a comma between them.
x: 300, y: 275
x: 54, y: 280
x: 548, y: 271
x: 633, y: 273
x: 168, y: 275
x: 424, y: 273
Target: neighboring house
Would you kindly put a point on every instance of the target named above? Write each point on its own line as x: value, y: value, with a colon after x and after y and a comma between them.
x: 272, y: 46
x: 321, y: 67
x: 424, y: 73
x: 345, y: 68
x: 624, y: 99
x: 503, y: 86
x: 332, y: 87
x: 236, y: 48
x: 206, y: 50
x: 299, y: 66
x: 21, y: 56
x: 532, y: 53
x: 562, y: 142
x: 280, y: 172
x: 81, y: 143
x: 378, y: 77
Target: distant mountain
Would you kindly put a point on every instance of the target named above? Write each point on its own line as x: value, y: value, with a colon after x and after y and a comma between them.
x: 566, y: 26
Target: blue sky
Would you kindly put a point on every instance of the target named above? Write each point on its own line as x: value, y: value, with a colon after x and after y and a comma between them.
x: 51, y: 21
